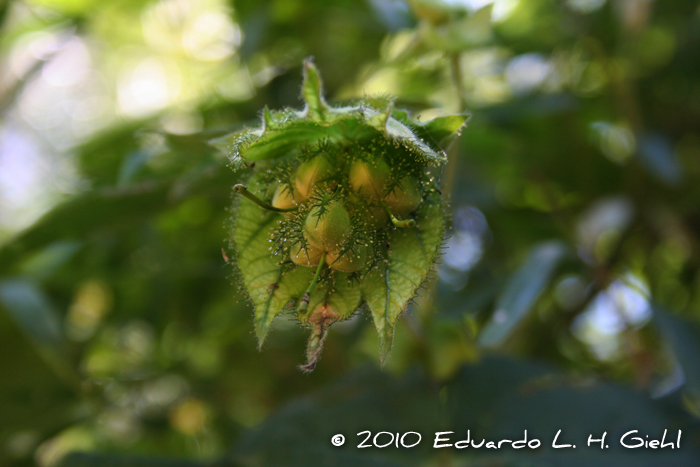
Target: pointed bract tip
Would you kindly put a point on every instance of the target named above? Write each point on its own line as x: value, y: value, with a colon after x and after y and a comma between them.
x: 312, y: 92
x: 380, y: 120
x: 309, y: 61
x: 385, y: 344
x: 261, y: 335
x: 308, y: 368
x: 267, y: 119
x: 389, y: 109
x: 383, y: 354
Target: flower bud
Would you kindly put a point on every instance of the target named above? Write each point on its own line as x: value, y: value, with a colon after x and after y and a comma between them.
x: 350, y: 178
x: 308, y: 256
x: 404, y: 198
x: 368, y: 179
x: 285, y: 197
x: 309, y: 174
x: 350, y: 261
x: 327, y: 227
x: 372, y: 216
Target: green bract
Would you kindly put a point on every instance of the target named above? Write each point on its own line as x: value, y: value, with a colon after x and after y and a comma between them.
x: 351, y: 217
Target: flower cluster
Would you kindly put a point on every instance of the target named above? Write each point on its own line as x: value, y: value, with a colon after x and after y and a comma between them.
x: 351, y: 213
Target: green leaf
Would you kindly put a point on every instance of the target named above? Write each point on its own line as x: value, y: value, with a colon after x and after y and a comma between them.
x: 500, y: 397
x: 438, y: 132
x: 684, y: 338
x: 85, y: 459
x: 282, y: 133
x: 270, y: 143
x: 522, y: 291
x: 367, y: 399
x: 33, y: 398
x: 131, y: 166
x: 32, y: 310
x: 657, y: 155
x: 48, y: 260
x: 461, y: 34
x: 444, y: 129
x: 388, y: 288
x: 352, y: 124
x: 269, y: 285
x: 78, y: 217
x: 398, y: 130
x: 112, y: 145
x: 343, y: 297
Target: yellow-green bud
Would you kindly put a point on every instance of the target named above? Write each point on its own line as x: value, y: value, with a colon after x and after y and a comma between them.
x: 368, y: 179
x: 373, y: 216
x: 309, y: 256
x: 404, y: 198
x: 309, y: 174
x: 328, y: 227
x: 351, y: 261
x: 285, y: 197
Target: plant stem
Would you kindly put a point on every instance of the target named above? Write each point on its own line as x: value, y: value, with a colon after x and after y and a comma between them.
x: 240, y: 189
x: 304, y: 305
x: 451, y: 168
x: 398, y: 223
x: 456, y: 74
x: 314, y: 347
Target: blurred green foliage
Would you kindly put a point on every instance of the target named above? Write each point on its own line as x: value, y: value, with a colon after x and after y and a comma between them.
x: 574, y: 250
